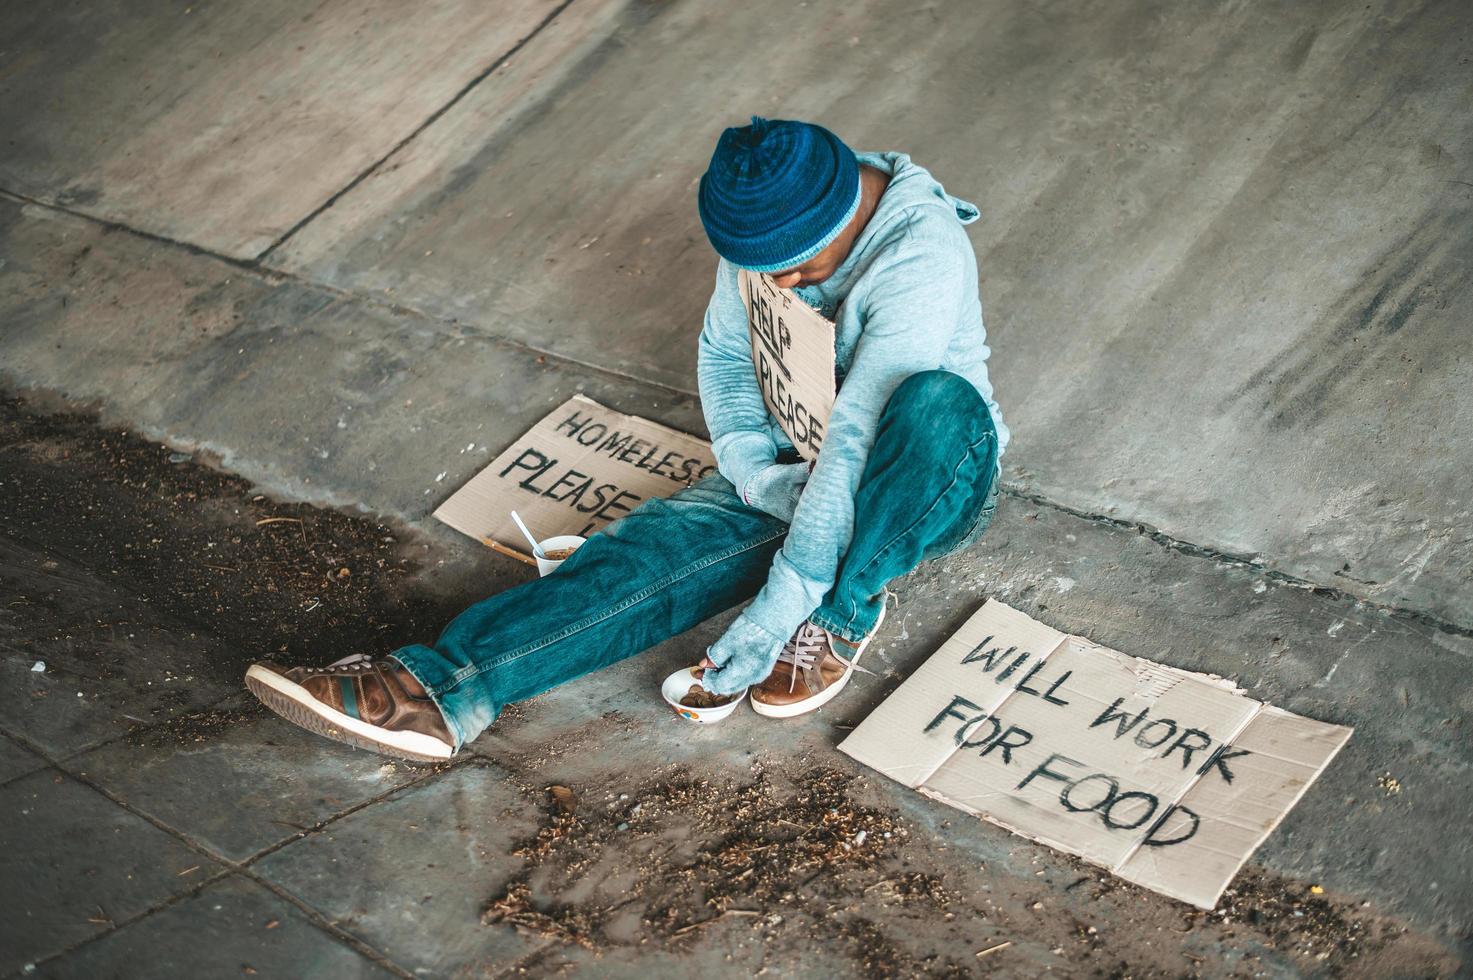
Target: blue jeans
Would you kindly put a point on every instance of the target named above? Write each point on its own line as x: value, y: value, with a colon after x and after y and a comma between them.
x: 928, y: 489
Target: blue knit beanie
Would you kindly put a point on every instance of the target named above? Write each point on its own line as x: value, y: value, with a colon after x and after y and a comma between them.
x: 777, y: 193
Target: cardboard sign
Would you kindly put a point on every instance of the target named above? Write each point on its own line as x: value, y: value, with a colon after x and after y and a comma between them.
x: 793, y: 352
x: 578, y: 469
x: 1168, y: 778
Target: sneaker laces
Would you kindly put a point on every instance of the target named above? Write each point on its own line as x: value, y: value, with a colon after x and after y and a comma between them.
x: 356, y: 663
x: 804, y: 650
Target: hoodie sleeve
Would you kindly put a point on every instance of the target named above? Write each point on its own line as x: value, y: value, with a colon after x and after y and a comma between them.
x: 736, y: 416
x: 911, y: 314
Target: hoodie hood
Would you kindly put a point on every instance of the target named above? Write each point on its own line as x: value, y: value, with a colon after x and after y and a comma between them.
x: 912, y: 186
x: 912, y: 201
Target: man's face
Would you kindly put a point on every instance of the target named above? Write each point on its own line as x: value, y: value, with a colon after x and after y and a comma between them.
x: 816, y: 269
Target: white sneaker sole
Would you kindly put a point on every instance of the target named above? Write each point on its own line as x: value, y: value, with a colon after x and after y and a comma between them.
x: 822, y: 697
x: 296, y: 704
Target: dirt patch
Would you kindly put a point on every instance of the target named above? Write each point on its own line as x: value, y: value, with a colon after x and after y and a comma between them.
x: 297, y: 583
x: 197, y: 726
x: 686, y: 853
x: 1337, y: 936
x: 785, y: 864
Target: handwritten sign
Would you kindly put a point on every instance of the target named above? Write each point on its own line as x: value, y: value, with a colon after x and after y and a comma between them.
x: 793, y: 352
x: 575, y: 471
x: 1169, y: 779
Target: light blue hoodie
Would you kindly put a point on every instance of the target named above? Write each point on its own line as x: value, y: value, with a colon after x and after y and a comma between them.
x: 904, y: 301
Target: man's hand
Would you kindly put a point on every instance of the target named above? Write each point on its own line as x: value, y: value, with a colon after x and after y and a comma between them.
x: 775, y: 489
x: 744, y: 655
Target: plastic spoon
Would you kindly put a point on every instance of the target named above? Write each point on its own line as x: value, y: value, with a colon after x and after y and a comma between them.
x: 536, y: 548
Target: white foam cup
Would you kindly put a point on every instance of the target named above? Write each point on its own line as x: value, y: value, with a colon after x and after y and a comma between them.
x: 546, y: 566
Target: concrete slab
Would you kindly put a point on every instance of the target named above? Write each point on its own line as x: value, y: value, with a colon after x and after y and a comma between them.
x: 225, y: 126
x: 234, y: 927
x: 16, y: 760
x: 75, y: 864
x: 1222, y: 293
x: 112, y: 663
x: 149, y: 305
x: 266, y: 783
x: 411, y: 875
x: 362, y: 404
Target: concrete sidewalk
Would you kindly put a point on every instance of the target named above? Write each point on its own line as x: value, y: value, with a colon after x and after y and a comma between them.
x: 1225, y: 262
x: 160, y: 821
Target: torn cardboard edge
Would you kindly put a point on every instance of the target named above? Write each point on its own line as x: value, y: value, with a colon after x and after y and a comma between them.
x: 1168, y: 778
x: 582, y: 466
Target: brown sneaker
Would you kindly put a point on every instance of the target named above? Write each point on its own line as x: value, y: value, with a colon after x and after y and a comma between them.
x: 811, y: 671
x: 359, y: 700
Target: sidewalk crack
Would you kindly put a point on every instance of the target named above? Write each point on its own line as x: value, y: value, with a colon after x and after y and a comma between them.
x: 1231, y: 559
x: 428, y: 121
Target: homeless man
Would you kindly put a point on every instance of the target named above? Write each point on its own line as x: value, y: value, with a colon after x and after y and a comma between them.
x: 907, y: 471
